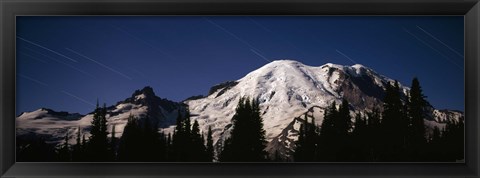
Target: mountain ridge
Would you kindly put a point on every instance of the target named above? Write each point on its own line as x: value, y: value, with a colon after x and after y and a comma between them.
x: 142, y: 104
x: 285, y: 89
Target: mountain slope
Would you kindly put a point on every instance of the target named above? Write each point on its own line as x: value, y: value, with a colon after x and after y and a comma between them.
x: 288, y: 92
x: 142, y: 104
x: 288, y: 89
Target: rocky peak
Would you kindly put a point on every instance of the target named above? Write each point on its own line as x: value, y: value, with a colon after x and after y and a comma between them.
x: 146, y: 92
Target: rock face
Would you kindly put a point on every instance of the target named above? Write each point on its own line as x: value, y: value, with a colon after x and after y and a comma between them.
x: 288, y: 92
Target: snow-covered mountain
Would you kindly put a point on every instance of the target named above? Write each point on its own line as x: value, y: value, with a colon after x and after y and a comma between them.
x: 49, y: 124
x: 287, y: 90
x: 53, y: 126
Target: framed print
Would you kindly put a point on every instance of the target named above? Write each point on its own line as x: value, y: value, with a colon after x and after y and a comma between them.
x: 255, y: 88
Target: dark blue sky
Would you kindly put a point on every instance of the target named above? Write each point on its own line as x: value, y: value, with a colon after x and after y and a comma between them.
x: 66, y: 63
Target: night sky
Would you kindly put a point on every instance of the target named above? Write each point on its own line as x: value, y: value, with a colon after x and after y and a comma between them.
x: 66, y: 63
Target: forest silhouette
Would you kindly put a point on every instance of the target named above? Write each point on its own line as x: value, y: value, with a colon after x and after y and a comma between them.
x: 393, y: 133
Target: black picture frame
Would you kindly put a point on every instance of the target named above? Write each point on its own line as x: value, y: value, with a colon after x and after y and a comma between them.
x: 12, y: 8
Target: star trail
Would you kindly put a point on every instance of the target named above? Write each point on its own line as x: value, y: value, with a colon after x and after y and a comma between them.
x: 67, y: 63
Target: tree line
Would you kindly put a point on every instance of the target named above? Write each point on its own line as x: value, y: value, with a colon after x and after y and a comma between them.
x: 141, y: 142
x: 397, y: 134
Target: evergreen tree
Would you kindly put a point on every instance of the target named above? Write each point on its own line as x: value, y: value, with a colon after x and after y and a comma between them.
x: 77, y: 149
x: 141, y: 141
x: 169, y: 139
x: 460, y: 139
x: 310, y: 140
x: 453, y: 140
x: 84, y: 143
x: 258, y: 133
x: 98, y: 143
x: 327, y: 143
x: 163, y: 147
x: 247, y: 141
x: 113, y: 149
x: 187, y: 125
x: 313, y: 137
x: 151, y: 141
x: 168, y: 147
x: 374, y: 135
x: 83, y: 149
x: 64, y: 152
x: 416, y: 112
x: 342, y: 125
x: 130, y: 145
x: 343, y: 122
x: 435, y: 147
x: 330, y: 115
x: 306, y: 146
x: 181, y: 139
x: 394, y: 125
x: 198, y: 150
x: 334, y: 142
x: 79, y: 132
x: 210, y: 149
x: 360, y: 139
x: 300, y: 154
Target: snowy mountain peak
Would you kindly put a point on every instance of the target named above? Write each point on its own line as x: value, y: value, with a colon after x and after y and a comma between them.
x: 279, y: 64
x: 296, y: 64
x: 286, y: 89
x: 144, y: 97
x: 45, y: 112
x: 283, y: 62
x: 355, y: 70
x: 287, y: 65
x: 331, y: 65
x: 33, y: 114
x: 358, y: 66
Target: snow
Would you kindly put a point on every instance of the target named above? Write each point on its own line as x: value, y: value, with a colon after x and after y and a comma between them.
x: 31, y: 115
x: 296, y: 88
x: 123, y: 107
x: 50, y: 125
x: 442, y: 116
x: 120, y: 120
x: 139, y: 97
x: 286, y: 89
x: 57, y: 127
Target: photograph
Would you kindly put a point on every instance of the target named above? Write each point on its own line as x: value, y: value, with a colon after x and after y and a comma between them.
x: 240, y: 88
